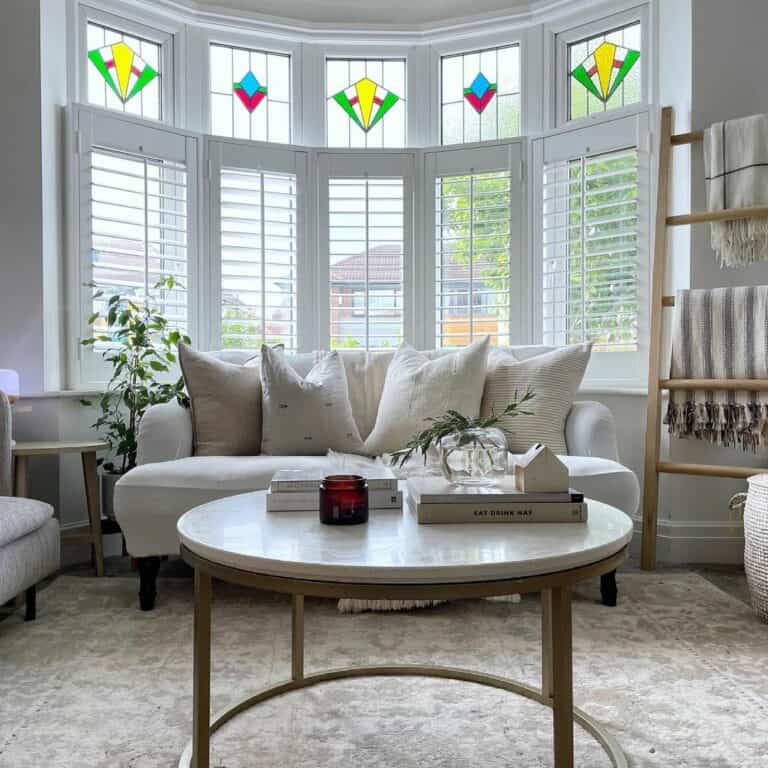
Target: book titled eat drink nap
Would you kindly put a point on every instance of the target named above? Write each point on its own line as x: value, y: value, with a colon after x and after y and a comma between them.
x: 436, y: 500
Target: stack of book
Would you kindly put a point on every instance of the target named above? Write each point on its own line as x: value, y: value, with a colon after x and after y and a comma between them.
x: 296, y: 490
x: 435, y: 500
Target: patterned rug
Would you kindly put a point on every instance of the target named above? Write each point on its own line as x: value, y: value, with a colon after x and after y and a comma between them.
x: 677, y: 671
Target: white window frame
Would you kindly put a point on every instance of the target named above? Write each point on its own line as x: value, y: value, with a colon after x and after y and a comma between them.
x: 457, y: 159
x: 610, y: 371
x: 564, y: 37
x: 373, y: 52
x: 485, y: 42
x: 159, y: 31
x: 93, y: 126
x: 294, y: 50
x: 359, y: 164
x: 258, y: 156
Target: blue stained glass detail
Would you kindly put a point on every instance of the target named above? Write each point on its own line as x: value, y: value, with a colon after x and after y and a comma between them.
x: 480, y: 85
x: 250, y: 84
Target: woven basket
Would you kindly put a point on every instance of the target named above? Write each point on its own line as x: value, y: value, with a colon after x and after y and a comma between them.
x: 756, y: 543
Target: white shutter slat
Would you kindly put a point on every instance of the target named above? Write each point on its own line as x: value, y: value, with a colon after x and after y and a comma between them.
x: 591, y: 221
x: 138, y: 230
x: 258, y: 209
x: 366, y: 256
x: 472, y: 261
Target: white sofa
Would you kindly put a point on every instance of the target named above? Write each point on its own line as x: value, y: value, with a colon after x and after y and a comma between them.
x: 169, y: 480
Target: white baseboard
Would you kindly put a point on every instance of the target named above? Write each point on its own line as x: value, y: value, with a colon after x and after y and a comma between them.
x: 696, y: 541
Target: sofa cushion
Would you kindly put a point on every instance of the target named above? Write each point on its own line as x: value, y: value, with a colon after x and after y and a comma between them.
x: 418, y: 388
x: 151, y: 498
x: 20, y: 517
x: 309, y: 415
x: 226, y: 404
x: 554, y: 378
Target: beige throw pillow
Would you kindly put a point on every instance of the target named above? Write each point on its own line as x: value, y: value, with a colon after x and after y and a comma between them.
x: 553, y: 376
x: 226, y: 404
x: 417, y: 388
x: 306, y: 416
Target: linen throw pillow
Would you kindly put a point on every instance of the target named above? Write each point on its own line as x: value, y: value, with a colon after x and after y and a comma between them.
x: 306, y: 416
x: 553, y: 376
x: 226, y: 404
x: 417, y: 388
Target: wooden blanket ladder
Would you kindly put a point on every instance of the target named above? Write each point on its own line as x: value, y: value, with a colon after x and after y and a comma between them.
x: 653, y: 466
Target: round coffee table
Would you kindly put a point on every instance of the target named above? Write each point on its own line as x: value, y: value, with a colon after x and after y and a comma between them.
x: 394, y: 558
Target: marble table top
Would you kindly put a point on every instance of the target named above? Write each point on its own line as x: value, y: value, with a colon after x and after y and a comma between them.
x: 392, y: 548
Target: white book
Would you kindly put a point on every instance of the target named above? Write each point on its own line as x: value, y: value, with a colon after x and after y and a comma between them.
x: 438, y: 490
x: 502, y: 512
x: 309, y: 501
x: 378, y: 476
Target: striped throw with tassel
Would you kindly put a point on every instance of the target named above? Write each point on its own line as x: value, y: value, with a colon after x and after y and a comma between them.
x: 720, y: 334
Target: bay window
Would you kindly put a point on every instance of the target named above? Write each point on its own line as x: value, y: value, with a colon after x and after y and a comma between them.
x: 356, y: 240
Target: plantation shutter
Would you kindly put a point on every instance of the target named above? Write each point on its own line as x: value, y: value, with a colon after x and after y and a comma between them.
x: 261, y: 282
x: 475, y: 273
x: 138, y: 227
x: 366, y: 240
x: 258, y: 231
x: 591, y: 246
x: 366, y: 256
x: 473, y: 228
x: 135, y: 197
x: 590, y: 265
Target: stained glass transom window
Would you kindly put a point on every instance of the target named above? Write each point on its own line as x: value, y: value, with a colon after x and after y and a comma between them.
x: 250, y: 94
x: 480, y: 95
x: 604, y: 72
x: 365, y: 102
x: 124, y: 72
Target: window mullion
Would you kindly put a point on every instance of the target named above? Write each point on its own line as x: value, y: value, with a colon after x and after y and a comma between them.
x: 583, y: 172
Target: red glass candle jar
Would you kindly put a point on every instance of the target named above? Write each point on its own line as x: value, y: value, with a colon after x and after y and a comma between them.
x: 343, y: 500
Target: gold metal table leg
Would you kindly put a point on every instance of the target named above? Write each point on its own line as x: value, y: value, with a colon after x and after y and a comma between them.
x: 297, y: 635
x: 201, y: 706
x: 546, y: 645
x: 562, y: 677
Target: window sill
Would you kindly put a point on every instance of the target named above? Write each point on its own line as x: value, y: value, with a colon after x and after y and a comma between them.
x: 625, y: 391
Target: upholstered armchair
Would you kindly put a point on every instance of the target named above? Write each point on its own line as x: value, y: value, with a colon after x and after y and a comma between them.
x: 29, y: 534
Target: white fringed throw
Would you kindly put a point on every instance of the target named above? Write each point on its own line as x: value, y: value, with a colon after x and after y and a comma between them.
x: 736, y: 163
x: 720, y: 334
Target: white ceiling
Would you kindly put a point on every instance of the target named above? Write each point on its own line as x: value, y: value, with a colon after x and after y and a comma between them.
x: 398, y: 13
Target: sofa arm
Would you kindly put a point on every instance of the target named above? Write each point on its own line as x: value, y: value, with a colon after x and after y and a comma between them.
x: 591, y: 431
x: 165, y: 434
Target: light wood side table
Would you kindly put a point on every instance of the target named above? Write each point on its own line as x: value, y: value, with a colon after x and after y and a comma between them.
x: 87, y: 450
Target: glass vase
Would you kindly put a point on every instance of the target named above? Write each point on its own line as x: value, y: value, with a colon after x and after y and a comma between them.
x: 474, y: 457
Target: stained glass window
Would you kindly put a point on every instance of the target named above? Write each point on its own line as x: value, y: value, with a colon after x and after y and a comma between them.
x: 250, y: 94
x: 124, y: 72
x: 604, y: 72
x: 365, y: 102
x: 480, y: 95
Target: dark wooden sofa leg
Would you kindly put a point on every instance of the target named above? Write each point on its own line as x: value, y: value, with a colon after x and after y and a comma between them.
x: 608, y: 589
x: 148, y: 569
x: 31, y: 604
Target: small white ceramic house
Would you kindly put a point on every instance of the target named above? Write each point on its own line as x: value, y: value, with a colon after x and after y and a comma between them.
x: 539, y: 470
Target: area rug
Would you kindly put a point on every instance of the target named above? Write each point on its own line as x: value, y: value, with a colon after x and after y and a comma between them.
x: 678, y: 673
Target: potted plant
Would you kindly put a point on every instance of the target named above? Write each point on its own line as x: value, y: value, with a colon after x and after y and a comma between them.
x: 471, y: 451
x: 140, y: 347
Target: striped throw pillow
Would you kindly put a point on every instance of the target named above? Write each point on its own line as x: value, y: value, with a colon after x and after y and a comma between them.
x: 553, y: 376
